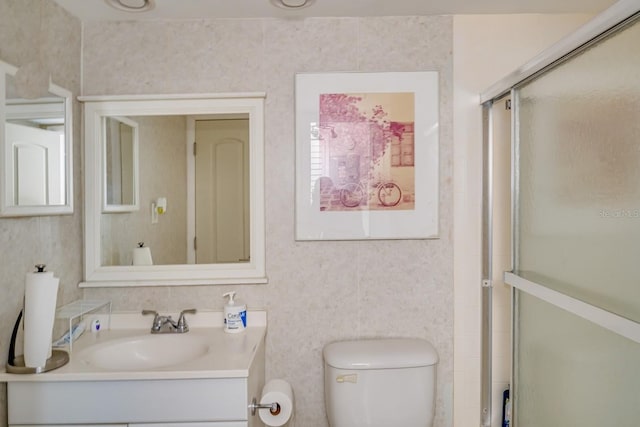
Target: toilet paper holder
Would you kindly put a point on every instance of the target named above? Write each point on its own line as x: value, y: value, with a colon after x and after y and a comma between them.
x: 274, y: 407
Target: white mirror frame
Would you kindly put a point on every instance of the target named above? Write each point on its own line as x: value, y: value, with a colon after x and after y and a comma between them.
x: 97, y: 107
x: 106, y: 206
x: 8, y: 209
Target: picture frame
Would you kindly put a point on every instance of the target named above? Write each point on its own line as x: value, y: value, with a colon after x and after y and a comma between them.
x: 367, y: 149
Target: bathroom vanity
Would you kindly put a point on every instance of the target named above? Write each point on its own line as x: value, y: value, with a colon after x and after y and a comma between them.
x: 128, y: 376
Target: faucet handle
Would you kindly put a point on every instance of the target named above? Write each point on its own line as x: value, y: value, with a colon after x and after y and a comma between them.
x: 155, y: 314
x: 157, y: 321
x: 182, y: 321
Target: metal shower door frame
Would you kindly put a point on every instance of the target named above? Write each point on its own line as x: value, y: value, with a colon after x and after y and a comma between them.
x: 604, y: 24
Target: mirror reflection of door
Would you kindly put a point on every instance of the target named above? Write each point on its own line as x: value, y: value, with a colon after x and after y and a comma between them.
x: 38, y: 159
x: 222, y: 191
x: 34, y: 173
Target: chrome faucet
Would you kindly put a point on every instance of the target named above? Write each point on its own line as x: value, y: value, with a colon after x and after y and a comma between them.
x: 166, y: 325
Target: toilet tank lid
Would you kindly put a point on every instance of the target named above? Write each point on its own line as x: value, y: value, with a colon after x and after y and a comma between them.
x: 380, y: 354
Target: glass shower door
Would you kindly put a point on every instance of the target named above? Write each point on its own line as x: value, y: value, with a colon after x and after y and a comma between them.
x: 577, y: 239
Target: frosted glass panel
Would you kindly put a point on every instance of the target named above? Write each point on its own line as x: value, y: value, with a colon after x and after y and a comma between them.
x: 571, y: 372
x: 579, y: 184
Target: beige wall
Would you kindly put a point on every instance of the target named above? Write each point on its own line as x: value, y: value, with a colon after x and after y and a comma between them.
x: 318, y: 292
x: 163, y: 173
x: 486, y: 48
x: 35, y: 30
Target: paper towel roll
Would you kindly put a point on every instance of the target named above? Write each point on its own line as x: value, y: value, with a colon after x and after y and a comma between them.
x: 280, y: 392
x: 40, y: 295
x: 142, y: 256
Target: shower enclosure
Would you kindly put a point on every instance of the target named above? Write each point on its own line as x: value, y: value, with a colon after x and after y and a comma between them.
x: 575, y: 191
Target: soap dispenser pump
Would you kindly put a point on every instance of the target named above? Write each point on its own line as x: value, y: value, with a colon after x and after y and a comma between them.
x: 235, y: 314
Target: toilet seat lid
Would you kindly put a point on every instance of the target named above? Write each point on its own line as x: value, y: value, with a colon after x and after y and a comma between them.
x: 386, y: 353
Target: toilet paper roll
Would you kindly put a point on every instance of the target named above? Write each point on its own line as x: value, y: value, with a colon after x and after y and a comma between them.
x: 280, y: 392
x: 40, y: 295
x: 142, y: 256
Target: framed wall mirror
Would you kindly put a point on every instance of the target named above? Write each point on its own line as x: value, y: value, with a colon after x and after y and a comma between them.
x: 36, y: 150
x: 174, y: 190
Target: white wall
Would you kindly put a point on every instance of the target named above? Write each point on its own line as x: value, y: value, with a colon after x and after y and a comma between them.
x: 486, y: 48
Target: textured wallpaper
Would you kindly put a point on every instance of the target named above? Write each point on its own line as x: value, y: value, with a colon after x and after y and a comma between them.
x: 39, y: 31
x: 318, y: 292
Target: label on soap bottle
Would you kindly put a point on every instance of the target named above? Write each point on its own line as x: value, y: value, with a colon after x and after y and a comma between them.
x: 235, y: 319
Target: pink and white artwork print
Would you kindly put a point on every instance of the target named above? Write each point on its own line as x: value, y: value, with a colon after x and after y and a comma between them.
x: 365, y: 146
x: 367, y: 156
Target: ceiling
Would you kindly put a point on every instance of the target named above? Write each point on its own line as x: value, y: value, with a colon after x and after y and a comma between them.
x: 98, y: 10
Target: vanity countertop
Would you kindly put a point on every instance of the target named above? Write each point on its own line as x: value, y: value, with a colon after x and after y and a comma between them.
x: 213, y: 352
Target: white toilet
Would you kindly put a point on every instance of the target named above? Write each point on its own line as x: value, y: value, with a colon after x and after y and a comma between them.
x: 380, y: 383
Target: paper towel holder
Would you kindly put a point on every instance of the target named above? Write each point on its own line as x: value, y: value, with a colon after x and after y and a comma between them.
x: 15, y: 365
x: 274, y: 407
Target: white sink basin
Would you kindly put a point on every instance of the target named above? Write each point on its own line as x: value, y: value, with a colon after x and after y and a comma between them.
x: 145, y: 352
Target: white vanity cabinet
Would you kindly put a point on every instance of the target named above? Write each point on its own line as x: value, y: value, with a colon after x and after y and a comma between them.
x: 208, y: 402
x: 214, y: 390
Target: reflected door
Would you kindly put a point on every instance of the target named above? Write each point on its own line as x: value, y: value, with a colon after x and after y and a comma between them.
x: 38, y: 162
x: 222, y: 191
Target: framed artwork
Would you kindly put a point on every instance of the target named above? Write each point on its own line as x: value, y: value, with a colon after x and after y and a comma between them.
x: 366, y: 155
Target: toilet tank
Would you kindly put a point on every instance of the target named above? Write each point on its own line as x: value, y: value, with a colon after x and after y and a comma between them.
x: 380, y: 383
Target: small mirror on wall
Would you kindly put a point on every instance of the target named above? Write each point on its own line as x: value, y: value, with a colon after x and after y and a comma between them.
x: 35, y: 149
x: 120, y: 148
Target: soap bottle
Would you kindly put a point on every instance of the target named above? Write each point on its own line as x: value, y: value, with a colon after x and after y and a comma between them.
x: 235, y: 314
